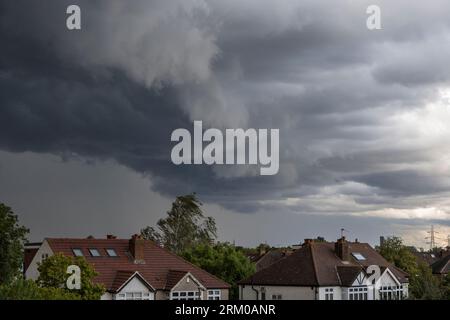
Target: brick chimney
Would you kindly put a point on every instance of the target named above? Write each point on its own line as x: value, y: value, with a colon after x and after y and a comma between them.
x: 308, y: 242
x: 341, y: 249
x: 136, y: 247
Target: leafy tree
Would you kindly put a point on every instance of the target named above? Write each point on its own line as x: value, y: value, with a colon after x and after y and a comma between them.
x: 184, y: 226
x: 21, y: 289
x: 12, y: 239
x: 395, y: 252
x: 53, y: 274
x: 222, y: 260
x: 424, y: 285
x: 445, y: 287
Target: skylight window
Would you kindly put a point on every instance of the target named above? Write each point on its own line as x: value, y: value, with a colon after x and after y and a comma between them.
x: 94, y: 252
x: 111, y: 252
x: 358, y: 256
x: 77, y: 252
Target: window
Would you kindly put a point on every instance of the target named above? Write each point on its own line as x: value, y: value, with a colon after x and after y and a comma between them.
x: 133, y: 296
x: 358, y: 293
x: 329, y: 294
x: 185, y: 295
x: 77, y: 252
x: 94, y: 252
x: 263, y: 296
x: 391, y: 293
x: 358, y: 256
x: 213, y: 294
x: 277, y: 297
x: 111, y: 252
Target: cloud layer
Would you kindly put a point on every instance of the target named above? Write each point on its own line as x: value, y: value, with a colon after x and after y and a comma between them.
x: 363, y: 115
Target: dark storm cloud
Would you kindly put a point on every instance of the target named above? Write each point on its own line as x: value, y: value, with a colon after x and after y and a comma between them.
x: 346, y: 100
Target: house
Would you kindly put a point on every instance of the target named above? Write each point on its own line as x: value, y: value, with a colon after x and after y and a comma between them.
x: 327, y: 271
x: 264, y: 259
x: 441, y: 267
x: 133, y: 269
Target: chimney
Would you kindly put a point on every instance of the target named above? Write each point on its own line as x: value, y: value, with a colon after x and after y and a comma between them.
x: 110, y: 236
x: 136, y: 246
x: 381, y: 241
x: 308, y: 242
x: 341, y: 249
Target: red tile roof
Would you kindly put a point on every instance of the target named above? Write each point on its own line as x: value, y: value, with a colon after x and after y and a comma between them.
x: 173, y: 277
x: 317, y: 264
x: 157, y: 269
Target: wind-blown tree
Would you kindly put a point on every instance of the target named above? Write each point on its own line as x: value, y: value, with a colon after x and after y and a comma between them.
x: 184, y: 227
x: 12, y: 240
x: 224, y: 261
x: 53, y: 274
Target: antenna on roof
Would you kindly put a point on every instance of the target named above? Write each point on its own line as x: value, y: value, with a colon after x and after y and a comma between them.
x: 342, y: 232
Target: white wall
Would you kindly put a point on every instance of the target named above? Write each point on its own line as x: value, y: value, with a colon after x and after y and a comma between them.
x: 32, y: 271
x: 136, y: 285
x: 287, y: 292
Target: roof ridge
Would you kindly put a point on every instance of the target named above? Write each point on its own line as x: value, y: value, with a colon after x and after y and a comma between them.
x: 316, y: 273
x: 188, y: 262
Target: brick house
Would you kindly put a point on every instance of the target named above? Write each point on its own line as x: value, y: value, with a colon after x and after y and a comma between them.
x: 327, y: 271
x: 132, y: 269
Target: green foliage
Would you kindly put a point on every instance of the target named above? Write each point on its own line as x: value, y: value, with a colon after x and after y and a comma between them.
x: 424, y: 285
x: 184, y: 227
x: 445, y: 287
x: 12, y: 239
x: 222, y: 260
x: 53, y: 274
x: 21, y: 289
x: 395, y: 252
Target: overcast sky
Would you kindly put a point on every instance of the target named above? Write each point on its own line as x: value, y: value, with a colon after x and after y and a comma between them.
x: 364, y: 116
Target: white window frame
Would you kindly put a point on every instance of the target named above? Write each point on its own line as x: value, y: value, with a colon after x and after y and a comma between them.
x: 185, y: 295
x: 329, y: 293
x: 277, y: 296
x: 133, y: 295
x: 391, y: 292
x: 358, y: 293
x: 214, y: 294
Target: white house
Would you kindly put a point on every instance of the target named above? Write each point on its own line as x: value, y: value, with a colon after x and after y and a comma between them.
x: 132, y: 269
x: 328, y: 271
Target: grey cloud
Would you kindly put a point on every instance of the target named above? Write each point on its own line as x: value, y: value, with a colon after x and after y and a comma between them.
x: 116, y: 90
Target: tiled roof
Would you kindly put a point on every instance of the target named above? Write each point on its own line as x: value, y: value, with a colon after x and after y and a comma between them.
x: 316, y: 264
x: 441, y: 266
x: 156, y: 270
x: 173, y: 277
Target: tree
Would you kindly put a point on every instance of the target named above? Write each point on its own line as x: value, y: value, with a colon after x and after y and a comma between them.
x: 21, y: 289
x: 53, y: 274
x: 395, y: 252
x: 445, y: 287
x: 184, y: 226
x: 222, y: 260
x: 12, y: 240
x: 424, y: 285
